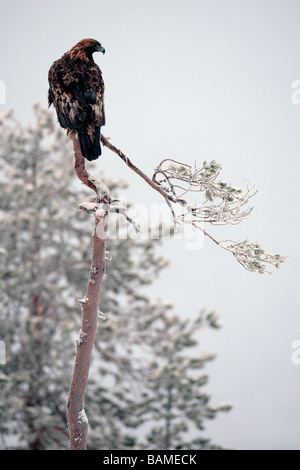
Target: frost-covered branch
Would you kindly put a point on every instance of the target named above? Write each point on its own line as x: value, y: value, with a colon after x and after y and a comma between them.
x: 119, y: 209
x: 252, y: 256
x: 221, y: 204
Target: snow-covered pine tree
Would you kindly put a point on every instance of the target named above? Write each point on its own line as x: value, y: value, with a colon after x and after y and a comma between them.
x: 45, y: 246
x: 174, y: 406
x: 44, y: 262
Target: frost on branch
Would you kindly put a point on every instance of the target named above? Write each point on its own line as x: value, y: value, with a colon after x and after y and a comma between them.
x: 119, y: 209
x: 82, y: 417
x: 94, y: 206
x: 252, y: 256
x: 222, y: 204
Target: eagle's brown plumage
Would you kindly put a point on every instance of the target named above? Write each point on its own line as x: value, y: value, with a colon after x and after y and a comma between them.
x: 76, y: 90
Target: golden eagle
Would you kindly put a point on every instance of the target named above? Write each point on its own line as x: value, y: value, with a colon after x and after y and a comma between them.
x: 76, y: 90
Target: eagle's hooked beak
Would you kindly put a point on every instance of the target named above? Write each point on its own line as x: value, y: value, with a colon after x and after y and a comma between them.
x: 101, y: 49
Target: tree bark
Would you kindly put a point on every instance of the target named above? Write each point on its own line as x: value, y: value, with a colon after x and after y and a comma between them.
x: 77, y: 419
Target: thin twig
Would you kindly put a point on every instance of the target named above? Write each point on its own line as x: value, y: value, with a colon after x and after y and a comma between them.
x: 139, y: 172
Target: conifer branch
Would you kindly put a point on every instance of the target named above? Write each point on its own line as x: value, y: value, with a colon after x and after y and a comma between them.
x: 223, y: 204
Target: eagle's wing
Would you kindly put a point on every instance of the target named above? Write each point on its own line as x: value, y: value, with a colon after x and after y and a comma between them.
x: 94, y: 95
x: 76, y: 95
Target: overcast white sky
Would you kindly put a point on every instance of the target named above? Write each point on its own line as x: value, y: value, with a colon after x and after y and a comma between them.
x: 199, y: 79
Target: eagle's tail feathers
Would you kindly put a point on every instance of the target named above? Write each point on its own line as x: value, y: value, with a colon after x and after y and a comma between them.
x: 90, y: 150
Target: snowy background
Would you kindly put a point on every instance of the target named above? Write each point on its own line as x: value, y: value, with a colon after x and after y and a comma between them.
x: 199, y: 79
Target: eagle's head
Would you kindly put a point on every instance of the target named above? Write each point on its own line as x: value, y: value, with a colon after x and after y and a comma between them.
x: 91, y: 45
x: 87, y: 47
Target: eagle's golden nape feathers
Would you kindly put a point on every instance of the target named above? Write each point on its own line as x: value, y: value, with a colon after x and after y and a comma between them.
x: 76, y: 90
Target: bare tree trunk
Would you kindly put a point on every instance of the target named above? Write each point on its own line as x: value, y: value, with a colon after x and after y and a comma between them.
x: 77, y: 419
